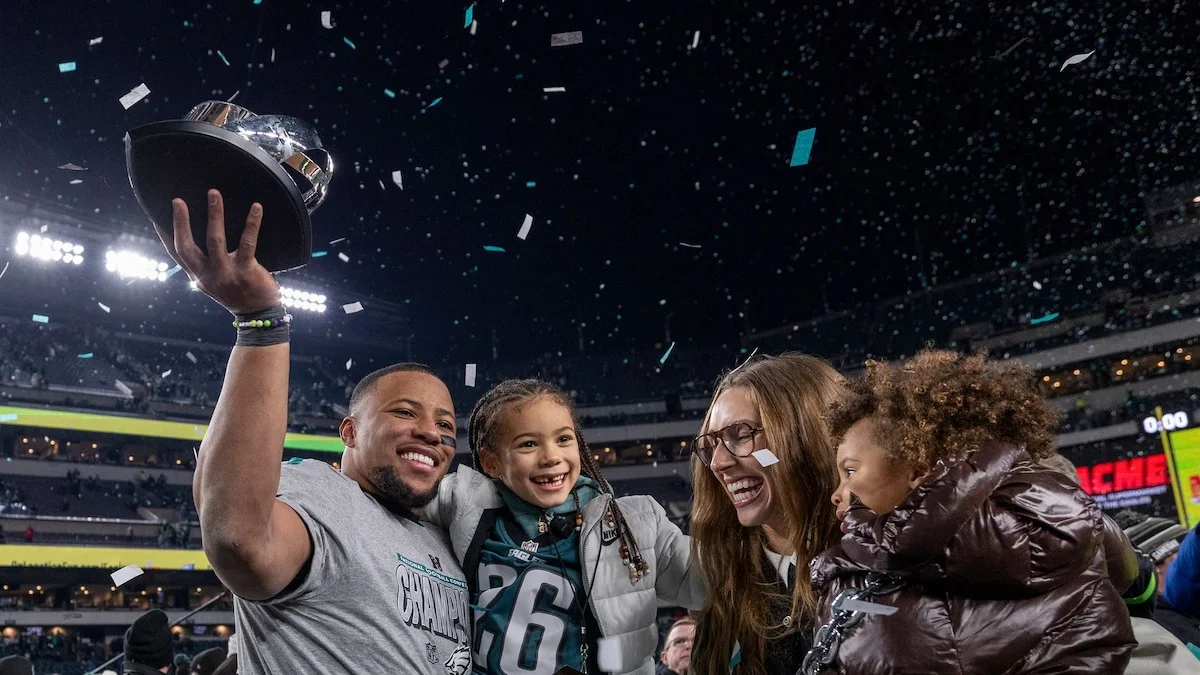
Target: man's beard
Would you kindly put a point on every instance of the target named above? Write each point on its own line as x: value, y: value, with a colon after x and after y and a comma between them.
x: 395, y: 492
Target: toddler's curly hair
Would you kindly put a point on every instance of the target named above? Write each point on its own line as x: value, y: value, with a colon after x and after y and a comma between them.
x: 940, y: 404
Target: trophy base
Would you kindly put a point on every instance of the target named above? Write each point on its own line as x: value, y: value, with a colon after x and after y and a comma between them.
x: 186, y: 159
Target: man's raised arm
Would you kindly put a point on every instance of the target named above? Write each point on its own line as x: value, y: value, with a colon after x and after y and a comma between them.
x: 256, y: 544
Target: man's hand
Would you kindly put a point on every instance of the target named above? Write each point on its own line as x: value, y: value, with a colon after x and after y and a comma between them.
x: 235, y: 280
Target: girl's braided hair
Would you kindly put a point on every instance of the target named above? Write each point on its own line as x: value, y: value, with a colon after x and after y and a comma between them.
x: 487, y: 416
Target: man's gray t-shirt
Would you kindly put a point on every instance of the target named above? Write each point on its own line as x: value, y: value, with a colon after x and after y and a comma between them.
x: 383, y: 594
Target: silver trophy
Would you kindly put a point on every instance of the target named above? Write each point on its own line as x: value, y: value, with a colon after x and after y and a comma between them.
x: 271, y: 159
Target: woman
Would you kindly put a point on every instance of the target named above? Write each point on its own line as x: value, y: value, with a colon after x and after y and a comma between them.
x: 755, y: 523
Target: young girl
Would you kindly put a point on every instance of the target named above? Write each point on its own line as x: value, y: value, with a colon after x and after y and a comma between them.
x: 960, y: 554
x: 562, y: 575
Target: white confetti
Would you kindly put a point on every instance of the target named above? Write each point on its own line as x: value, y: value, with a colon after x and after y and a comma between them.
x: 136, y: 94
x: 95, y: 41
x: 554, y: 90
x: 868, y: 607
x: 1078, y: 58
x: 608, y: 656
x: 343, y: 257
x: 165, y: 374
x: 443, y: 64
x: 563, y: 39
x: 44, y: 228
x: 695, y: 39
x: 3, y: 270
x: 525, y: 226
x: 381, y: 187
x: 474, y: 25
x: 1037, y: 285
x: 398, y: 179
x: 687, y: 245
x: 125, y: 574
x: 234, y: 96
x: 77, y: 181
x: 123, y: 388
x: 191, y: 357
x: 352, y: 307
x: 349, y: 362
x: 72, y: 167
x: 765, y: 457
x: 104, y: 307
x: 337, y: 241
x: 327, y: 19
x: 272, y: 55
x: 470, y: 380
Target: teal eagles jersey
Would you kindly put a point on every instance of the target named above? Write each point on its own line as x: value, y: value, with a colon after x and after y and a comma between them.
x: 527, y: 615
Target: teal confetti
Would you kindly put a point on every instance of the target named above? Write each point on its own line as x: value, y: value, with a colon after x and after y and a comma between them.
x: 41, y: 318
x: 470, y: 17
x: 258, y: 2
x: 389, y: 93
x: 493, y: 249
x: 66, y: 66
x: 86, y: 356
x: 667, y: 354
x: 435, y: 101
x: 804, y: 143
x: 1043, y: 319
x: 320, y: 254
x: 8, y: 417
x: 223, y: 59
x: 173, y: 271
x: 531, y: 183
x: 348, y: 42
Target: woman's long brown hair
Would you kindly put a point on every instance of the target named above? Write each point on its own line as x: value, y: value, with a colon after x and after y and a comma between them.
x: 792, y: 392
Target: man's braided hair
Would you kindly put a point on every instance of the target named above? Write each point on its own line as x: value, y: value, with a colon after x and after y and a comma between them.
x: 488, y: 414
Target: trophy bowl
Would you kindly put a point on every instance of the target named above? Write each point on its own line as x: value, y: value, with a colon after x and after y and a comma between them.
x: 274, y: 160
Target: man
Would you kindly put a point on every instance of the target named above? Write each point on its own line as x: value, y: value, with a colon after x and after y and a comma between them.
x: 332, y: 571
x: 677, y: 653
x: 149, y: 645
x: 16, y: 665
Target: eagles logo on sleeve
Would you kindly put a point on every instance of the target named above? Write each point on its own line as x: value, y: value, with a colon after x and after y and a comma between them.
x: 459, y: 662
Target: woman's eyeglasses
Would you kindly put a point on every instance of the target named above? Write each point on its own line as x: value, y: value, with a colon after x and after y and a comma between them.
x: 737, y: 437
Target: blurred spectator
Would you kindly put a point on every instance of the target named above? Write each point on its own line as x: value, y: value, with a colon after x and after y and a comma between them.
x: 149, y: 643
x: 207, y: 662
x: 676, y: 657
x: 1181, y: 581
x: 16, y: 665
x: 29, y: 534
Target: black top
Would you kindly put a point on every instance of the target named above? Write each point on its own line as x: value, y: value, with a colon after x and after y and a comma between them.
x: 783, y: 656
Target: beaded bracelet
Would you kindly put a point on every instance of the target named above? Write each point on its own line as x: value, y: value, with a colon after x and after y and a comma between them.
x: 284, y: 320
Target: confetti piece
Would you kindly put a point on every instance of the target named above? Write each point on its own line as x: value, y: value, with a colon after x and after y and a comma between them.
x: 530, y: 183
x: 443, y: 64
x: 554, y: 90
x: 666, y: 354
x: 327, y: 19
x: 696, y: 39
x: 765, y: 457
x: 8, y: 417
x: 72, y: 167
x: 77, y: 181
x: 343, y: 257
x: 803, y: 148
x: 337, y: 241
x: 470, y: 381
x: 868, y: 607
x: 1037, y: 285
x: 192, y: 357
x: 66, y: 66
x: 222, y: 57
x: 88, y: 355
x: 104, y: 307
x: 470, y: 16
x: 235, y: 94
x: 389, y: 93
x: 349, y: 362
x: 3, y: 270
x: 320, y: 254
x: 41, y: 318
x: 608, y: 657
x: 165, y: 374
x: 348, y: 42
x: 1006, y: 52
x: 136, y: 94
x: 494, y: 249
x: 435, y: 101
x: 95, y: 41
x: 123, y: 388
x: 1078, y: 58
x: 272, y: 55
x: 1043, y: 319
x: 126, y: 574
x: 352, y: 307
x: 398, y: 179
x: 687, y: 245
x: 525, y: 227
x: 173, y: 271
x: 564, y: 39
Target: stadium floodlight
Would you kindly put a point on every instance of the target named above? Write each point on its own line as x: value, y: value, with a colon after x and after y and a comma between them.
x: 306, y: 300
x: 46, y: 248
x: 131, y: 265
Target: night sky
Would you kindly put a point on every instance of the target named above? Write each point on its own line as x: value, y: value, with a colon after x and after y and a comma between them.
x: 941, y: 149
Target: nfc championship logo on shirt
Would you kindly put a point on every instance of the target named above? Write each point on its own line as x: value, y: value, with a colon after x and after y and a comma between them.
x: 435, y: 603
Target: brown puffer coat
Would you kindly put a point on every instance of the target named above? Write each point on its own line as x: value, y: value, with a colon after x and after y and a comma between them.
x: 1005, y: 573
